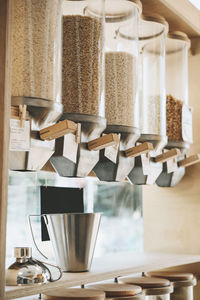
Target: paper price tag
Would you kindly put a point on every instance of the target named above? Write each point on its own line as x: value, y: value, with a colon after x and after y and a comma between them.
x: 187, y: 133
x: 19, y: 136
x: 111, y: 152
x: 70, y: 147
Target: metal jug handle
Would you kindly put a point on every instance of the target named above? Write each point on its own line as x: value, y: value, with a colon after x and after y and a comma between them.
x: 45, y: 263
x: 32, y: 234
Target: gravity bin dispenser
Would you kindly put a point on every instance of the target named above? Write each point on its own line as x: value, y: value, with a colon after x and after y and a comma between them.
x: 121, y: 87
x: 178, y: 111
x: 36, y: 80
x: 152, y: 96
x: 82, y: 88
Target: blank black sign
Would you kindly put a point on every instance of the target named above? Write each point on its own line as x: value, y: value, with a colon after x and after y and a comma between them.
x: 59, y: 200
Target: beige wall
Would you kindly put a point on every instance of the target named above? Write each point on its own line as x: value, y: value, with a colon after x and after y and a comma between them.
x: 172, y: 215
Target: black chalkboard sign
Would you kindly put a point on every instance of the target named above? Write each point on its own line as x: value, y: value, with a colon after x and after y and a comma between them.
x: 59, y: 200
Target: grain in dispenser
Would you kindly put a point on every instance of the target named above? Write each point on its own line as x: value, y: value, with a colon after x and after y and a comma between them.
x: 121, y: 86
x: 179, y: 114
x: 36, y: 58
x: 36, y: 80
x: 82, y: 84
x: 152, y: 33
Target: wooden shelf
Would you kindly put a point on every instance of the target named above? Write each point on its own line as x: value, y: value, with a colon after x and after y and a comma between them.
x: 180, y: 14
x: 108, y: 267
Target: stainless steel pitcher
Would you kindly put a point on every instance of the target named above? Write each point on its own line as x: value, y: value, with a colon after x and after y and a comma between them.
x: 73, y: 236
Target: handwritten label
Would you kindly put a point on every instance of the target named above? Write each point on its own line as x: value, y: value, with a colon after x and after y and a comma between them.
x: 187, y: 134
x: 70, y: 147
x: 19, y: 136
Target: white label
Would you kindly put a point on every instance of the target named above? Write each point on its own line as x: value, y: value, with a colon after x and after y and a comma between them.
x: 145, y: 158
x: 172, y: 165
x: 187, y: 134
x: 19, y: 136
x: 155, y: 171
x: 70, y: 147
x: 112, y: 151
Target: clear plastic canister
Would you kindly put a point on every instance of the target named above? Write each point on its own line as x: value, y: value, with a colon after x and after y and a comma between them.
x: 178, y: 112
x: 82, y: 58
x: 152, y: 34
x: 183, y: 283
x: 36, y: 49
x: 121, y: 62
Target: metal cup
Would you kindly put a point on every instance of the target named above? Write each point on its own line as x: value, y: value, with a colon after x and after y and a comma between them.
x: 73, y: 236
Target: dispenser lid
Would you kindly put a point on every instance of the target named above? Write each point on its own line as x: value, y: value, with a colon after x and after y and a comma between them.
x: 120, y: 10
x: 146, y: 282
x: 151, y: 26
x: 117, y: 289
x: 74, y: 293
x: 179, y: 278
x: 181, y: 39
x: 22, y: 252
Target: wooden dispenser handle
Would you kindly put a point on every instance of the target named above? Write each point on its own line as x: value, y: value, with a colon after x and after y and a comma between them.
x: 138, y: 150
x: 58, y: 130
x: 188, y: 161
x: 103, y: 142
x: 168, y: 155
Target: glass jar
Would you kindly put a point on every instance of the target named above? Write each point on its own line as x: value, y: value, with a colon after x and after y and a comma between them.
x: 178, y: 112
x: 83, y: 48
x: 152, y: 34
x: 121, y: 62
x: 153, y: 288
x: 36, y: 49
x: 183, y: 283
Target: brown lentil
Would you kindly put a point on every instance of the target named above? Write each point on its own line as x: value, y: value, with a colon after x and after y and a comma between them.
x: 174, y: 118
x: 36, y: 48
x: 82, y: 65
x: 120, y: 88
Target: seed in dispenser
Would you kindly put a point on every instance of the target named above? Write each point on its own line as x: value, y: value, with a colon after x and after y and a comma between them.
x: 82, y: 65
x: 120, y: 88
x: 174, y: 118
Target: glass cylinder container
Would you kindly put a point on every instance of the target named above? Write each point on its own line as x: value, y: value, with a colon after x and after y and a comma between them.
x: 36, y: 49
x: 152, y: 34
x: 121, y: 62
x: 83, y: 59
x: 177, y: 45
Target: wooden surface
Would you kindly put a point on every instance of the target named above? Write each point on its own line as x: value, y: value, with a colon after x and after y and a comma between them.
x: 4, y: 130
x: 146, y: 282
x: 180, y: 14
x: 116, y: 289
x: 189, y: 161
x: 168, y: 155
x: 138, y: 150
x: 58, y: 130
x: 108, y: 267
x: 74, y: 293
x: 172, y: 276
x: 103, y: 142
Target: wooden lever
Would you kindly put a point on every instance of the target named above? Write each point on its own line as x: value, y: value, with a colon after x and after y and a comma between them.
x: 167, y: 155
x: 103, y: 142
x: 188, y: 161
x: 58, y: 130
x: 138, y: 150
